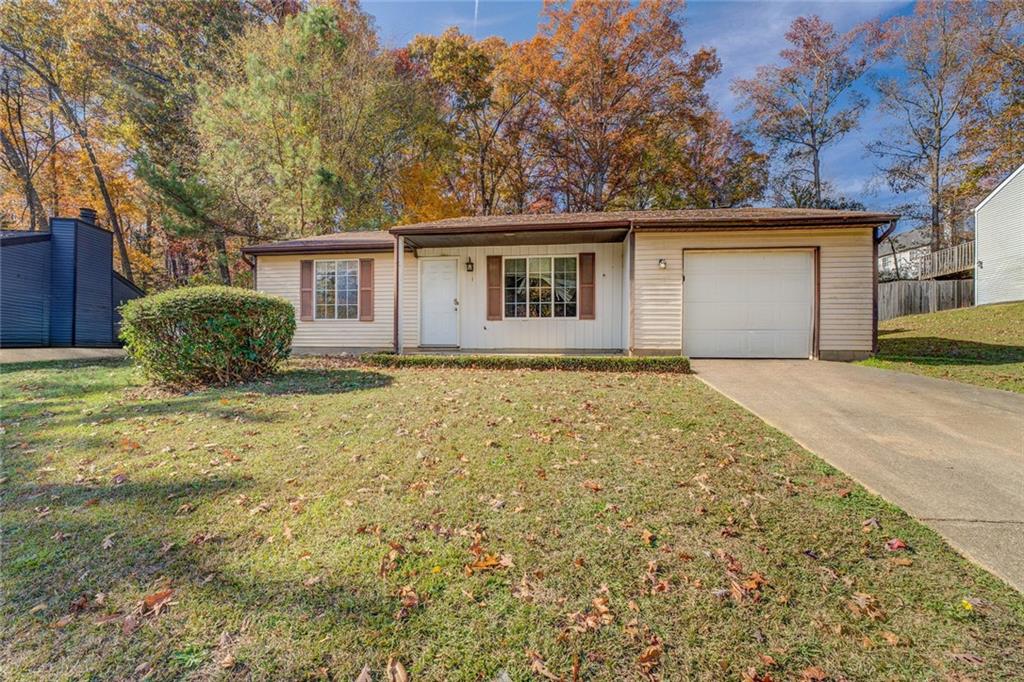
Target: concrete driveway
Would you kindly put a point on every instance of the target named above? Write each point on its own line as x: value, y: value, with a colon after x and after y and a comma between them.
x: 949, y: 454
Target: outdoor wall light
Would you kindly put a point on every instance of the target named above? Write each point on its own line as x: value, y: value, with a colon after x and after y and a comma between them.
x: 662, y: 263
x: 469, y: 265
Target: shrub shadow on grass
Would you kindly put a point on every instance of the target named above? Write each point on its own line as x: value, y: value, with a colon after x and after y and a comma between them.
x: 54, y: 533
x: 313, y: 381
x: 156, y: 494
x: 934, y: 350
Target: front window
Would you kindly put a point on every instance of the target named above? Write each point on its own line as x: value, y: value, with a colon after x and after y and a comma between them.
x: 337, y: 289
x: 540, y: 287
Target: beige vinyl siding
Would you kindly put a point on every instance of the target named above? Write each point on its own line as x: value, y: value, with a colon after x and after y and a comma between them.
x: 605, y: 332
x: 999, y: 245
x: 846, y: 282
x: 279, y: 275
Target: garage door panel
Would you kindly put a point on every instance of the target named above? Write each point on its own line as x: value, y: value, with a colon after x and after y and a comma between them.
x: 756, y: 304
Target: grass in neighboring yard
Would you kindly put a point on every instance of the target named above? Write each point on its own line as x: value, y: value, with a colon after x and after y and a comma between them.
x: 336, y: 516
x: 982, y: 346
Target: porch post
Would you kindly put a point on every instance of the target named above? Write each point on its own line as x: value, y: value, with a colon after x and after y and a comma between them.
x: 399, y: 269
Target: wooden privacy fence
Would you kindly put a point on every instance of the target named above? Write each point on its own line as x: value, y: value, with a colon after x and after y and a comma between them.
x: 910, y: 297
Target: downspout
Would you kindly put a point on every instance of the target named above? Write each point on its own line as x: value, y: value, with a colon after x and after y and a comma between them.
x: 878, y: 238
x: 631, y: 245
x: 396, y: 318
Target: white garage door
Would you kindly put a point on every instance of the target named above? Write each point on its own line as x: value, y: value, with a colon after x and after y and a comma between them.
x: 748, y: 304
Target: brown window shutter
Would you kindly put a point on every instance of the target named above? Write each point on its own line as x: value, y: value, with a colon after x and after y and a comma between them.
x: 305, y: 290
x: 366, y: 289
x: 587, y: 279
x: 494, y: 287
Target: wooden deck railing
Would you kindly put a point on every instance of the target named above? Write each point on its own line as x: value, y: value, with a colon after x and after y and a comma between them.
x: 959, y: 258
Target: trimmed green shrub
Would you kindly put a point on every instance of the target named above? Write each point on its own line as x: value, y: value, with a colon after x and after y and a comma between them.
x: 208, y: 335
x: 590, y: 363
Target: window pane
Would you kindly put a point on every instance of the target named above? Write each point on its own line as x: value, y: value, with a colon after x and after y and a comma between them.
x: 515, y: 287
x: 565, y: 287
x: 539, y: 280
x: 347, y: 289
x: 324, y: 290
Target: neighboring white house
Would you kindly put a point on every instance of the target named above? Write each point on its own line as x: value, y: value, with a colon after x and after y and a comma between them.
x: 787, y: 283
x: 999, y: 243
x: 900, y: 255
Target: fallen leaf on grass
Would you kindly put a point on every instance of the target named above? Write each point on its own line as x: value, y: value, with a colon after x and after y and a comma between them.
x: 156, y: 602
x: 891, y: 637
x: 592, y: 486
x: 396, y: 671
x: 488, y: 562
x: 538, y: 667
x: 228, y: 662
x: 650, y: 658
x: 813, y: 674
x: 408, y: 599
x: 868, y: 525
x: 364, y: 675
x: 895, y: 545
x: 524, y: 590
x: 863, y: 604
x: 261, y: 508
x: 593, y: 618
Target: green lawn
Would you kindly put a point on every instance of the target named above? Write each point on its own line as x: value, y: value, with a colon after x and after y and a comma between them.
x: 461, y: 522
x: 982, y: 346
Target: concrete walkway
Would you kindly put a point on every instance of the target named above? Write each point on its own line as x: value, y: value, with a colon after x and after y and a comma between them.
x: 949, y: 454
x: 12, y: 355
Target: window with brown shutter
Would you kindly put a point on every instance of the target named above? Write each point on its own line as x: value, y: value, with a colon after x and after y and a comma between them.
x: 366, y: 289
x: 587, y: 286
x: 305, y: 290
x: 494, y: 287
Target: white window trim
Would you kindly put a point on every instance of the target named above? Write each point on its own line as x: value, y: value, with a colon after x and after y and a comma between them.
x: 358, y: 290
x: 574, y: 256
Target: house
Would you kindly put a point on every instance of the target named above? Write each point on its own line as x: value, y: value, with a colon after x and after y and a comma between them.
x: 900, y: 255
x: 999, y: 243
x: 58, y: 288
x: 760, y: 283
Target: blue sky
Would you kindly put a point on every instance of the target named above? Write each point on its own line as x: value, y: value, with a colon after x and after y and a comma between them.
x: 745, y: 34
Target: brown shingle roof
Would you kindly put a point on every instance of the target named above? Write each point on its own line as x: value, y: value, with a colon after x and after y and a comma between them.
x: 363, y: 241
x: 688, y: 219
x: 711, y: 218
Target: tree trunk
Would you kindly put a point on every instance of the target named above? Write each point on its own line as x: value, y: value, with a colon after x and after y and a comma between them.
x: 55, y: 185
x: 115, y: 223
x: 222, y: 257
x: 37, y: 216
x: 817, y: 180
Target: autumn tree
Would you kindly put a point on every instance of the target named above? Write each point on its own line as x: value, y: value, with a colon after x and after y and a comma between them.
x: 603, y: 73
x: 484, y: 104
x: 310, y: 128
x: 45, y: 40
x: 809, y: 102
x: 703, y: 162
x: 994, y: 120
x: 25, y: 138
x: 936, y: 50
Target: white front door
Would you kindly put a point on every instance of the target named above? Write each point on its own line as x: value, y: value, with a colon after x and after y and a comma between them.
x: 748, y: 304
x: 439, y: 302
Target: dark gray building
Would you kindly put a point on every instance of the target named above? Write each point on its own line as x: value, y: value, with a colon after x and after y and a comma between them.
x: 58, y: 288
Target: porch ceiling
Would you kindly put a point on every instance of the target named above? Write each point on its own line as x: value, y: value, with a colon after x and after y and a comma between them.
x: 518, y: 237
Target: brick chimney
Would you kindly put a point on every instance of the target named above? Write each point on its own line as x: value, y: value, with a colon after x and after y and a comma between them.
x: 87, y: 215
